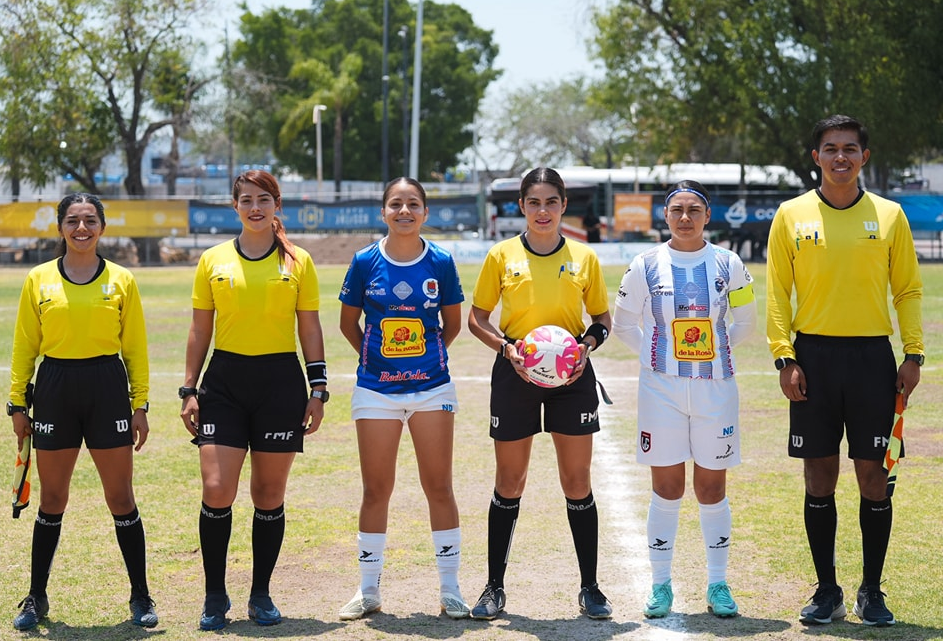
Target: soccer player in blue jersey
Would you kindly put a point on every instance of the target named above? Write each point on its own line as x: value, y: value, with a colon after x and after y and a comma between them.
x: 407, y: 292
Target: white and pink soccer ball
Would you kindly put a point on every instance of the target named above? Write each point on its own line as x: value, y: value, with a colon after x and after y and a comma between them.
x: 550, y: 355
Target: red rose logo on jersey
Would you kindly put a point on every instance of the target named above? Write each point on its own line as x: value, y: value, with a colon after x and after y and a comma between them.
x: 691, y: 336
x: 693, y: 339
x: 402, y: 337
x: 645, y: 441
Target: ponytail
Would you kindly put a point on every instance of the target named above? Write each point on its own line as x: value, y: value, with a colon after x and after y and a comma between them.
x: 286, y: 249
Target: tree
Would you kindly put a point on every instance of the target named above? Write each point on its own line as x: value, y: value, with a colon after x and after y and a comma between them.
x: 554, y: 124
x: 103, y: 52
x: 457, y: 68
x: 745, y: 81
x: 174, y: 87
x: 56, y: 127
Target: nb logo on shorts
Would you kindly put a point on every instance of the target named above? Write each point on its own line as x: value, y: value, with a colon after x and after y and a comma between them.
x: 121, y: 425
x: 447, y: 407
x: 209, y: 429
x: 494, y: 422
x: 796, y: 441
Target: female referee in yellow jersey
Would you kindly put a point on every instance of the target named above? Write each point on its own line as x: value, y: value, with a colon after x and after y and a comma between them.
x: 79, y: 312
x: 253, y: 394
x: 541, y: 278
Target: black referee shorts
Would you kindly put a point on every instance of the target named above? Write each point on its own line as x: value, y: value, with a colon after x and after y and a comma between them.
x: 850, y: 391
x: 516, y: 405
x: 81, y: 398
x: 255, y: 402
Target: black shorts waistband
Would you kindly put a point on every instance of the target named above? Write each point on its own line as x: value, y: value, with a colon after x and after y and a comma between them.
x: 235, y: 358
x: 79, y: 362
x: 840, y: 341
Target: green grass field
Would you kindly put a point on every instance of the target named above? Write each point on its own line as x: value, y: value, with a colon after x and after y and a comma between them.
x: 771, y: 573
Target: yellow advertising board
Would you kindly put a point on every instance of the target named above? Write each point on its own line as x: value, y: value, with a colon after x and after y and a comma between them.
x: 133, y: 218
x: 632, y: 212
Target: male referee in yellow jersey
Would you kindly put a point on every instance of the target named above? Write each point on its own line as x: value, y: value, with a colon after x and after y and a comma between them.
x: 840, y: 248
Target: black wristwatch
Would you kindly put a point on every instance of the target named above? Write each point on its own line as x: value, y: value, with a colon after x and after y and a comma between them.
x: 322, y: 395
x: 184, y: 392
x: 916, y: 358
x: 782, y: 362
x: 13, y: 409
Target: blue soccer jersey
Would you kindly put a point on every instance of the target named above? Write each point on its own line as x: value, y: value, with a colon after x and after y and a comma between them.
x: 402, y: 349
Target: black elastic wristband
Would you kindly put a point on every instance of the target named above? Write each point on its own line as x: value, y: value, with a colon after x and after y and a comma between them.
x: 317, y: 373
x: 597, y: 331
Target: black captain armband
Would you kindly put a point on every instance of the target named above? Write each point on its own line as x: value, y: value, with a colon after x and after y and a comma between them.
x: 597, y: 331
x: 317, y: 373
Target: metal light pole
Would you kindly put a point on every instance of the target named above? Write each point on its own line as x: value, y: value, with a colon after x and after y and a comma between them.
x: 317, y: 121
x: 403, y: 33
x: 385, y: 133
x: 417, y: 84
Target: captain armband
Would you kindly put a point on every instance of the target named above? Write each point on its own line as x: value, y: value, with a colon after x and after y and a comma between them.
x: 317, y: 373
x: 742, y: 296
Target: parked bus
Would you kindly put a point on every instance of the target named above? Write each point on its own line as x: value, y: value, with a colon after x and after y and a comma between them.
x: 628, y: 200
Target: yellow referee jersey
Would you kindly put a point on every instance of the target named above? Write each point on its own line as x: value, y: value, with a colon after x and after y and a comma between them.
x: 255, y: 300
x: 539, y: 290
x: 841, y: 263
x: 60, y: 319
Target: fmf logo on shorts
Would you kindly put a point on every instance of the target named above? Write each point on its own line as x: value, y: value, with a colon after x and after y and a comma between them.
x: 43, y: 428
x: 279, y: 436
x: 588, y: 417
x: 880, y: 442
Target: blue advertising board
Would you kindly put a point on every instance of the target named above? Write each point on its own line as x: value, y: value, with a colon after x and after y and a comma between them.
x: 445, y: 214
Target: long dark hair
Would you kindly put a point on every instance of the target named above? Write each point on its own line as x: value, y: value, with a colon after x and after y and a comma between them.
x: 63, y: 208
x: 543, y: 175
x: 691, y: 186
x: 412, y: 182
x: 267, y: 182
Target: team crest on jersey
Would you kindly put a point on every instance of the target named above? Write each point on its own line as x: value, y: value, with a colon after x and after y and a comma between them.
x: 402, y: 337
x: 645, y: 441
x: 430, y: 287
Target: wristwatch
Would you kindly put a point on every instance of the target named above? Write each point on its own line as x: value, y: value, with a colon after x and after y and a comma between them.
x: 13, y: 409
x: 916, y: 358
x: 322, y: 395
x: 184, y: 392
x: 144, y: 407
x: 782, y: 362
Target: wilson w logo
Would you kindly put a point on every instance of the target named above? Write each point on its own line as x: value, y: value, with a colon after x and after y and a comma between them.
x: 870, y: 226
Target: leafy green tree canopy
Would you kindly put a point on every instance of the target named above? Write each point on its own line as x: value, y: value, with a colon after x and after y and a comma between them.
x: 741, y: 80
x: 289, y: 60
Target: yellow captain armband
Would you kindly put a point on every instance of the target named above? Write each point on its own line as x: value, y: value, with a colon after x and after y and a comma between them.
x: 742, y: 296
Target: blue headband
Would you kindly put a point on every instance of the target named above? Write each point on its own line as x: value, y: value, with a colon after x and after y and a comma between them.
x: 693, y: 191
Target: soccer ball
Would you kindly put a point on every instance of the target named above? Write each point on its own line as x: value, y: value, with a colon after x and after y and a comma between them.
x: 550, y: 355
